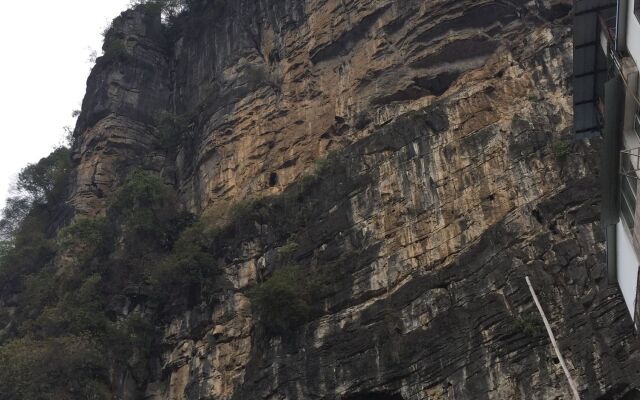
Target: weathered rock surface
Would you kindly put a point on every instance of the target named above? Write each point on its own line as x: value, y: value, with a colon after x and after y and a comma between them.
x: 447, y: 188
x: 126, y: 93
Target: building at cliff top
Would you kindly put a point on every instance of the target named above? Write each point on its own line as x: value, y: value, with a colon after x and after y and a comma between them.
x: 606, y: 56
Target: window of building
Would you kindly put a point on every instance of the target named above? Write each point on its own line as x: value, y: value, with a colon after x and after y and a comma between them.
x: 628, y: 187
x: 636, y: 118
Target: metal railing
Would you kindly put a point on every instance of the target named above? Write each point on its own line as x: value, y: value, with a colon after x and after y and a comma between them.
x: 608, y: 26
x: 629, y: 177
x: 636, y: 121
x: 630, y: 162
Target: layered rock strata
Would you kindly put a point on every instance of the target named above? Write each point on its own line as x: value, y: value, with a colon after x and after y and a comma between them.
x: 453, y: 175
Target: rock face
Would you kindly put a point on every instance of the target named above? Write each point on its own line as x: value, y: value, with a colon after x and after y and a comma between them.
x: 448, y: 125
x: 126, y: 91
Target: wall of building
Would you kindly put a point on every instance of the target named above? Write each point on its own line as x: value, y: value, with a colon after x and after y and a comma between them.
x: 633, y: 33
x: 627, y: 267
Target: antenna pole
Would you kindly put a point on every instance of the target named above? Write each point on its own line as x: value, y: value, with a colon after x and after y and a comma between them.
x: 572, y: 384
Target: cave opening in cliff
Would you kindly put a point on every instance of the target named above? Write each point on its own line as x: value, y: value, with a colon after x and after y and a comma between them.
x: 273, y: 179
x: 375, y: 396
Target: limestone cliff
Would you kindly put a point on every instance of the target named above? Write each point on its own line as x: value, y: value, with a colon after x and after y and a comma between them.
x: 452, y: 176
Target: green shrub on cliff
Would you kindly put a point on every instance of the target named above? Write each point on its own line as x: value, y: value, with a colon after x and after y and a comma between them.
x: 27, y: 255
x: 249, y: 212
x: 171, y: 128
x: 561, y: 148
x: 38, y: 290
x: 85, y: 238
x: 79, y: 310
x: 60, y: 339
x: 144, y: 209
x: 60, y: 368
x: 141, y: 196
x: 5, y: 247
x: 113, y: 49
x: 73, y: 287
x: 189, y: 267
x: 168, y: 8
x: 153, y: 7
x: 40, y: 188
x: 530, y: 324
x: 27, y: 247
x: 286, y: 300
x: 16, y: 210
x: 44, y: 182
x: 288, y: 250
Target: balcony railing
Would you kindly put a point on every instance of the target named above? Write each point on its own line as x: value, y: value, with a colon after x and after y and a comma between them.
x: 608, y: 27
x: 629, y: 177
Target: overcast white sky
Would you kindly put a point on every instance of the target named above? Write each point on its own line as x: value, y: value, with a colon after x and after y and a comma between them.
x: 45, y: 47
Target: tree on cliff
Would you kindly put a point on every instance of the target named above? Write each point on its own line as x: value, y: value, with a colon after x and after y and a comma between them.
x: 168, y: 8
x: 39, y: 187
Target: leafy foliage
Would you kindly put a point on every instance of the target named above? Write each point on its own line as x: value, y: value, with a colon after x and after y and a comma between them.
x: 168, y: 8
x: 26, y: 246
x: 61, y: 337
x: 38, y: 291
x: 171, y: 9
x: 27, y: 255
x: 561, y: 148
x: 172, y: 128
x: 79, y: 311
x: 5, y: 248
x: 39, y: 188
x: 43, y: 182
x: 85, y: 238
x: 287, y: 251
x: 140, y: 190
x: 190, y: 267
x: 53, y: 369
x: 15, y: 211
x: 326, y: 177
x: 66, y: 285
x: 144, y: 208
x: 530, y: 324
x: 286, y: 300
x: 113, y: 49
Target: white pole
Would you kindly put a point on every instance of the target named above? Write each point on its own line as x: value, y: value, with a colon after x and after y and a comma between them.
x: 572, y: 384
